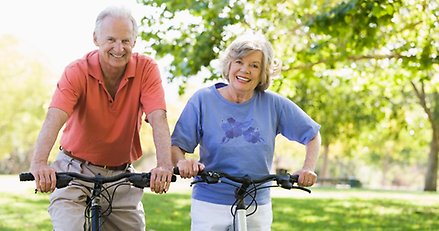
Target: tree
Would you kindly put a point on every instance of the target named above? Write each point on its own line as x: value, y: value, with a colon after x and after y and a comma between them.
x: 338, y: 56
x: 24, y: 99
x: 395, y: 35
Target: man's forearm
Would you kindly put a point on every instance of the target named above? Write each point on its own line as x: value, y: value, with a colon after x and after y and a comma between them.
x: 161, y: 136
x: 53, y: 123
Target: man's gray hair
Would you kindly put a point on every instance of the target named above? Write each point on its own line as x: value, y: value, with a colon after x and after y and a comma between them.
x: 116, y: 11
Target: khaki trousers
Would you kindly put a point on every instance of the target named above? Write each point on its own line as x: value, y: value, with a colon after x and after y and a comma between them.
x: 67, y: 205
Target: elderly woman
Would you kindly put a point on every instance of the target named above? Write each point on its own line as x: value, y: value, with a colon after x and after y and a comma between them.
x: 235, y: 125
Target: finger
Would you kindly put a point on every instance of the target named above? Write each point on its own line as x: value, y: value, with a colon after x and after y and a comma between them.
x: 53, y: 180
x: 37, y: 183
x: 167, y: 184
x: 301, y: 180
x: 188, y: 172
x: 43, y: 183
x: 196, y: 168
x: 152, y: 182
x: 201, y: 166
x: 159, y: 188
x: 157, y: 184
x: 47, y: 183
x: 160, y: 184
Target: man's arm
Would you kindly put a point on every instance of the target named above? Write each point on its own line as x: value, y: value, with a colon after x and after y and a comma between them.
x: 45, y: 179
x: 161, y: 175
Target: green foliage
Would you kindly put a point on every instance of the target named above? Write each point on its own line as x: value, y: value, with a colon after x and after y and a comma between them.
x: 192, y: 29
x: 349, y: 64
x: 25, y: 94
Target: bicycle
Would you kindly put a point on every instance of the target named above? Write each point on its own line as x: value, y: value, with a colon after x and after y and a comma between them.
x: 93, y: 212
x: 244, y: 189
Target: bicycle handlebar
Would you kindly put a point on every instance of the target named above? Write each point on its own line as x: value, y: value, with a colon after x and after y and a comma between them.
x: 140, y: 180
x: 285, y: 181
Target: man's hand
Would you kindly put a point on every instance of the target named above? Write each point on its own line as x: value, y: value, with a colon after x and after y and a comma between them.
x: 45, y: 178
x: 160, y: 179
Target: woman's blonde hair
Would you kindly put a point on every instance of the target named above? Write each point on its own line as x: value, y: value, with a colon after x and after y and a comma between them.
x: 244, y: 45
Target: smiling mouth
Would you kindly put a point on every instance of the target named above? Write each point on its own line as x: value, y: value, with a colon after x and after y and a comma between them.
x: 244, y: 79
x: 117, y: 56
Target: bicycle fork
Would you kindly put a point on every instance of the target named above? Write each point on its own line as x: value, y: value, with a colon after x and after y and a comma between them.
x: 241, y: 216
x: 95, y: 214
x: 241, y: 211
x: 95, y: 208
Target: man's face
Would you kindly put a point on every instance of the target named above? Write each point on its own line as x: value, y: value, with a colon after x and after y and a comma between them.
x: 115, y: 40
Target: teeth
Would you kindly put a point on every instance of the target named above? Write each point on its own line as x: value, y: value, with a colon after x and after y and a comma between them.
x: 117, y: 56
x: 243, y: 78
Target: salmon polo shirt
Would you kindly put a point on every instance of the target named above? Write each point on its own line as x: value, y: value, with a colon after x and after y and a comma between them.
x: 99, y: 129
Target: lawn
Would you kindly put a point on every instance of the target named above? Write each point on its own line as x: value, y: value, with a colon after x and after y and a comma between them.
x: 330, y: 209
x: 324, y: 209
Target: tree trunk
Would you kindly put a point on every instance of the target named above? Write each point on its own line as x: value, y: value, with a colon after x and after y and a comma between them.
x: 324, y: 174
x: 433, y: 118
x: 432, y: 166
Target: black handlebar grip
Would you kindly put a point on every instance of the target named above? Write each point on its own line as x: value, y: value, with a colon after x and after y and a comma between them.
x: 26, y: 176
x: 176, y: 171
x: 294, y: 178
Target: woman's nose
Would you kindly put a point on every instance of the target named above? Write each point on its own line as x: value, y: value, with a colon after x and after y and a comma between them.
x: 245, y: 69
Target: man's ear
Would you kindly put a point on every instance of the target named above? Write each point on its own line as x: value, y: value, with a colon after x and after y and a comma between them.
x: 95, y: 39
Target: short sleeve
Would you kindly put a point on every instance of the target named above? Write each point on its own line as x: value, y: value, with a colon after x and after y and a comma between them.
x: 152, y: 93
x: 295, y: 124
x: 187, y: 132
x: 69, y: 88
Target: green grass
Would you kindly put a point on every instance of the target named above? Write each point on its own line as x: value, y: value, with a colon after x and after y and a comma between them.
x: 324, y: 209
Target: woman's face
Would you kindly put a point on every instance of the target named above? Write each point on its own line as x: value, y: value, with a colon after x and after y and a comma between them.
x: 245, y: 72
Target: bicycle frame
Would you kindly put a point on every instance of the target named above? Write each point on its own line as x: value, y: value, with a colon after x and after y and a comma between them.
x: 285, y: 181
x: 96, y: 207
x: 241, y: 216
x: 63, y: 179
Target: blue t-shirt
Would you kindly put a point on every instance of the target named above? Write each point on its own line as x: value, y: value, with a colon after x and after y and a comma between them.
x: 238, y: 139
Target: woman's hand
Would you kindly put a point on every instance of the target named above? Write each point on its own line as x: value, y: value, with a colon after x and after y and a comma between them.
x: 307, y: 178
x: 189, y: 168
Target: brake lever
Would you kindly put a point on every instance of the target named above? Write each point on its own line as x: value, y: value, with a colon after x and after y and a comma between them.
x: 302, y: 188
x: 207, y: 177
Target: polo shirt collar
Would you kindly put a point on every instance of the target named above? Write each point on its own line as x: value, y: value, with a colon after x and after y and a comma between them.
x: 94, y: 68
